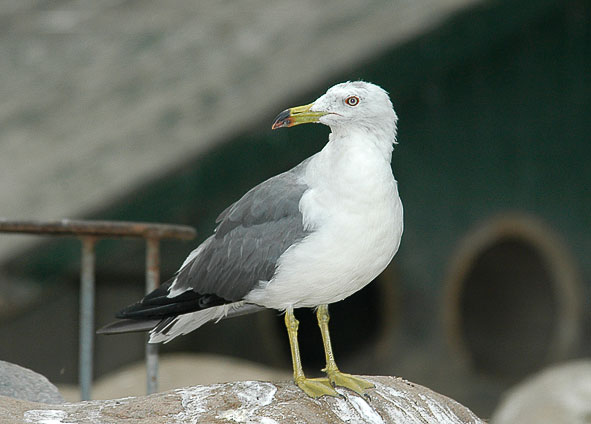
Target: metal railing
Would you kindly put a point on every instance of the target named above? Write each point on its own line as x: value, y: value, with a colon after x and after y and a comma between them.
x: 90, y: 232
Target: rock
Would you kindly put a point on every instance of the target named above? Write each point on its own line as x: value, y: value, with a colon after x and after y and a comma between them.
x: 557, y: 395
x: 22, y: 383
x: 393, y: 400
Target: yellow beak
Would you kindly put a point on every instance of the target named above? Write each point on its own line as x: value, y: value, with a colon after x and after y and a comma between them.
x: 296, y: 116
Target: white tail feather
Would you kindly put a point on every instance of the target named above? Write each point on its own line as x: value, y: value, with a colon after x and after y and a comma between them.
x: 186, y: 323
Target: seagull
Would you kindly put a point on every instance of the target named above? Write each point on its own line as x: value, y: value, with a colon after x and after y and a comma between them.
x: 305, y: 238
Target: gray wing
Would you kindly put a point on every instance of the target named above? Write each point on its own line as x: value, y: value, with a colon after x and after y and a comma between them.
x: 251, y: 235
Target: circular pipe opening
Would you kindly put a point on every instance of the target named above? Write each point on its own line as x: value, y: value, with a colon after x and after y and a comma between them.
x: 513, y: 300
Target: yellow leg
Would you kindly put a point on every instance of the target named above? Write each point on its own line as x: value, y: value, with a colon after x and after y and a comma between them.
x: 313, y: 387
x: 335, y: 376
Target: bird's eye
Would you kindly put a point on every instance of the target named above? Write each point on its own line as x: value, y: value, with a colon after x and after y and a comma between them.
x: 352, y: 100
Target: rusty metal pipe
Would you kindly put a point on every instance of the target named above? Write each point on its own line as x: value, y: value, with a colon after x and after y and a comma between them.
x: 152, y: 282
x: 86, y: 342
x: 90, y: 232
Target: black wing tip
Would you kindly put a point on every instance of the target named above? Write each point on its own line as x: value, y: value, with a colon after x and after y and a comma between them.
x: 128, y: 310
x: 128, y: 326
x: 162, y: 306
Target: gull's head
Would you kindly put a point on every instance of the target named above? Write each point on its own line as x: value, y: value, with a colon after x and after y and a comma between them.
x: 347, y: 105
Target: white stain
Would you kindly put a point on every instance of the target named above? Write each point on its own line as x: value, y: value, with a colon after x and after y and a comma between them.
x: 365, y: 410
x: 354, y: 409
x: 193, y: 401
x: 45, y: 416
x: 253, y: 395
x: 427, y: 410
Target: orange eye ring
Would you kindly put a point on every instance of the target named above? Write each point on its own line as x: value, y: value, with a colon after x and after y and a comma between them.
x: 352, y: 101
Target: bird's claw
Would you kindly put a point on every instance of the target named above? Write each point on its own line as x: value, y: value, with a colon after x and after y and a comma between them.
x: 341, y: 379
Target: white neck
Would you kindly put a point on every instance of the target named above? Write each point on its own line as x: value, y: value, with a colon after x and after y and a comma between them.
x: 382, y: 136
x: 355, y: 165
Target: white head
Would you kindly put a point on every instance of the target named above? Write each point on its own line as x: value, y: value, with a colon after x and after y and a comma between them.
x: 346, y: 107
x: 355, y: 103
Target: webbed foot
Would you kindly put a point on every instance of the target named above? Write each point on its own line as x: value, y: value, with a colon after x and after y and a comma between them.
x: 357, y: 384
x: 316, y: 387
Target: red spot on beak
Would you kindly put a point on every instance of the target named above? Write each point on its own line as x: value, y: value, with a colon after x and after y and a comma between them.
x: 284, y: 119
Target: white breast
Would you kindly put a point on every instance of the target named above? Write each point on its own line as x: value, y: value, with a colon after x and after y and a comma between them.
x: 355, y: 214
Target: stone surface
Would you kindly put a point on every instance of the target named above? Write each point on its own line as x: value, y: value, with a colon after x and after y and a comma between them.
x: 558, y: 395
x: 22, y: 383
x: 393, y: 400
